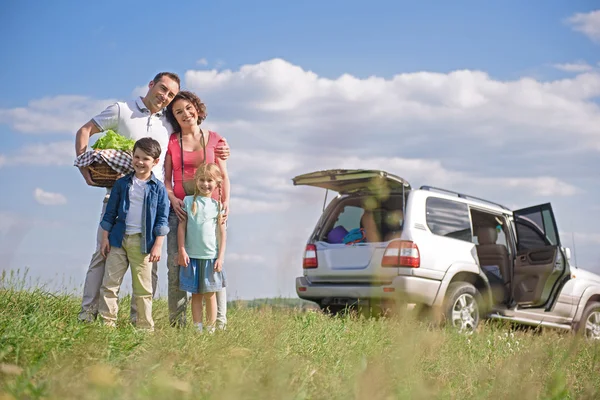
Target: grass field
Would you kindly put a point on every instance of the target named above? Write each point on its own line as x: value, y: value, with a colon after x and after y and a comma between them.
x: 279, y: 352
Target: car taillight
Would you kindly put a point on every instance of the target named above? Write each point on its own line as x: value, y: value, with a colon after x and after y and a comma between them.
x: 310, y: 257
x: 401, y: 253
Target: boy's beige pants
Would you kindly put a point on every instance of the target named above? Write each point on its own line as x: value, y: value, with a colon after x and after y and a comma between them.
x: 119, y: 258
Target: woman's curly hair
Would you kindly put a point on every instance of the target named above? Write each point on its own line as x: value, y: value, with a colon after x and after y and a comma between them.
x: 192, y: 98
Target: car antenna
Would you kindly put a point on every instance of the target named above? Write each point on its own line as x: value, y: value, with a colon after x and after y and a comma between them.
x: 574, y: 249
x: 325, y: 200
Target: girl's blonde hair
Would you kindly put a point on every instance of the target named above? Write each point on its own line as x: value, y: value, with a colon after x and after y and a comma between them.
x: 210, y: 170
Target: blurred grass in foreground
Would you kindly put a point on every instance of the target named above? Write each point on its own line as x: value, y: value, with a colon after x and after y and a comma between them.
x: 276, y: 352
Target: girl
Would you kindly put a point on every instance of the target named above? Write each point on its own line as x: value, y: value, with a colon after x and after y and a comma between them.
x: 201, y: 239
x: 189, y: 147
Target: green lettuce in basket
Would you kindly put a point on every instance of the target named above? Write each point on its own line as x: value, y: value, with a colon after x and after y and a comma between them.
x: 112, y: 140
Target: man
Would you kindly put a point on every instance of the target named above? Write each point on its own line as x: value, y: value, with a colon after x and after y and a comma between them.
x: 135, y: 119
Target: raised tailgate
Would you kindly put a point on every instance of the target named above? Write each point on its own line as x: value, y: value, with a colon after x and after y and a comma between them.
x: 351, y: 263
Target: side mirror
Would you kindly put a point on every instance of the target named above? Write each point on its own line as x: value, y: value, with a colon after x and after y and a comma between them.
x: 568, y: 253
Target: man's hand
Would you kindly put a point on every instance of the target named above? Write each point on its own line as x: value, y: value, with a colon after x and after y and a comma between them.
x: 85, y: 171
x: 222, y: 150
x: 82, y: 138
x: 183, y: 259
x: 177, y: 205
x: 218, y: 265
x: 155, y: 253
x: 105, y: 247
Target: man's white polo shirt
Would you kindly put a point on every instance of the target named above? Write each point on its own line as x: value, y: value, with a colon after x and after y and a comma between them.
x: 134, y: 120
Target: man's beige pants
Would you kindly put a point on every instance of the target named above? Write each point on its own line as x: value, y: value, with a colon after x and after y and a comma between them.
x: 119, y: 258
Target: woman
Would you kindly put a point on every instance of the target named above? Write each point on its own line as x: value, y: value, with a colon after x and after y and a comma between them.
x: 189, y: 146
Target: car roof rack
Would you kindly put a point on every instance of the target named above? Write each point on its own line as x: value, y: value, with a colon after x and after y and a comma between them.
x: 463, y: 196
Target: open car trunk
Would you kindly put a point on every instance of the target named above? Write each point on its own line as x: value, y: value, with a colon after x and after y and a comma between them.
x: 373, y: 200
x: 346, y: 181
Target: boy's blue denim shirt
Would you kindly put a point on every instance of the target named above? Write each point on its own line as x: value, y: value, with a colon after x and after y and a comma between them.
x: 155, y: 212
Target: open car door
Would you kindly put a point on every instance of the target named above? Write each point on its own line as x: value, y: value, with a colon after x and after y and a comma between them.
x: 540, y: 268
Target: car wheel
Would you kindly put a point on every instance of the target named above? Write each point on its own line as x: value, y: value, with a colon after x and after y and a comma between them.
x: 461, y: 308
x: 589, y: 325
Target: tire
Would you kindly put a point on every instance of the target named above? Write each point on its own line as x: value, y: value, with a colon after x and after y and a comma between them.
x: 589, y: 325
x: 462, y: 307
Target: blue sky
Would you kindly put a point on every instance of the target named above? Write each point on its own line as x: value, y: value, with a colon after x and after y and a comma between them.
x: 494, y: 82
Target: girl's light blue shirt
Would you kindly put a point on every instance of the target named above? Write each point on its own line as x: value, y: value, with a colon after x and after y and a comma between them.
x: 201, y: 233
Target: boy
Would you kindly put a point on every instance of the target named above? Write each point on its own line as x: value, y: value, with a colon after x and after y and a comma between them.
x: 134, y: 227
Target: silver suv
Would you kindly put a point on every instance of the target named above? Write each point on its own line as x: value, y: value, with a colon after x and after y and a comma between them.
x: 467, y: 258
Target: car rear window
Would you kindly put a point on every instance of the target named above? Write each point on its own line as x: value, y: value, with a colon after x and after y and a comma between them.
x: 380, y: 224
x: 349, y: 218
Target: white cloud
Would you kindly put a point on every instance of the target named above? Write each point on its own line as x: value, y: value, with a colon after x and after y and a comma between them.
x: 58, y: 114
x: 202, y: 61
x: 538, y: 186
x: 587, y: 23
x: 247, y: 258
x: 49, y: 198
x: 139, y: 91
x: 581, y: 238
x: 278, y: 105
x: 241, y: 205
x: 41, y: 154
x: 578, y: 66
x: 282, y: 120
x: 265, y: 188
x: 281, y: 105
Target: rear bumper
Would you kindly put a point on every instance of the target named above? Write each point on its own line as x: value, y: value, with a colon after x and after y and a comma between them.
x: 412, y: 289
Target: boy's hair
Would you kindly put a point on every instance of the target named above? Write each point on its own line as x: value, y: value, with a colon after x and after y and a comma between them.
x: 192, y: 98
x: 210, y: 170
x: 170, y: 75
x: 149, y: 146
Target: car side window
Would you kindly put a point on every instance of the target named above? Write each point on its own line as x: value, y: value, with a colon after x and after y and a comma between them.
x: 502, y: 238
x: 530, y: 235
x: 548, y: 222
x: 449, y: 218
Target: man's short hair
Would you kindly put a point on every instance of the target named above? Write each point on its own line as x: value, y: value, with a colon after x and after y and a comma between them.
x: 170, y: 75
x: 149, y: 146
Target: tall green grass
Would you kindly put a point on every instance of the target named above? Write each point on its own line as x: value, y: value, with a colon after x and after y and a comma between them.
x: 279, y: 353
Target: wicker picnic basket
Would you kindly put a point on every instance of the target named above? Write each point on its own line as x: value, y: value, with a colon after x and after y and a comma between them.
x: 102, y: 174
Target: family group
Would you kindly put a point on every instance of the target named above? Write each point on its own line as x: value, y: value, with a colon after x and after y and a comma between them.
x: 179, y: 189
